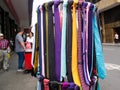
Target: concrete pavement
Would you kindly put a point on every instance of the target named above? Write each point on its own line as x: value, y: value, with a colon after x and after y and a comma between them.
x: 13, y: 80
x: 111, y: 44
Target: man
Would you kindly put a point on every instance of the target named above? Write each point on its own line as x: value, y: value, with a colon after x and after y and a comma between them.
x: 4, y: 47
x: 20, y: 49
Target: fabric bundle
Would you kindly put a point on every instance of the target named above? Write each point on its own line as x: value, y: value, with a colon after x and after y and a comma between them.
x: 67, y: 50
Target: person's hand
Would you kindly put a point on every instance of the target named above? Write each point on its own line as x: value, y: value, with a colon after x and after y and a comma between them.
x: 24, y: 49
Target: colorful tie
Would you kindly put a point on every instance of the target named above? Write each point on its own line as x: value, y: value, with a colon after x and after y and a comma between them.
x: 39, y: 38
x: 57, y: 40
x: 47, y: 62
x: 80, y: 61
x: 36, y: 54
x: 75, y: 73
x: 39, y: 41
x: 69, y: 41
x: 51, y: 45
x: 42, y: 43
x: 98, y: 49
x: 84, y: 51
x: 87, y: 10
x: 90, y: 41
x: 44, y: 35
x: 63, y: 43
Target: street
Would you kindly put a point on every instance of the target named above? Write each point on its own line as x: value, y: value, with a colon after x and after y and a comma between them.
x: 12, y: 80
x: 112, y: 63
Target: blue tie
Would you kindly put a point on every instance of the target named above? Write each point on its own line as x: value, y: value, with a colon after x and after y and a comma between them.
x: 98, y: 48
x: 63, y: 43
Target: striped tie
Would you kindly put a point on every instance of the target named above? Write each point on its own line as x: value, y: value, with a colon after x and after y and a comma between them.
x: 80, y: 62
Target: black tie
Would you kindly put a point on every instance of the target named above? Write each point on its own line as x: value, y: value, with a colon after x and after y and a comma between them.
x: 51, y: 45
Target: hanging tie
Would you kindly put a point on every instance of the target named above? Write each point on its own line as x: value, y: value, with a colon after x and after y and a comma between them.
x: 42, y: 43
x: 69, y: 41
x: 98, y: 49
x: 57, y: 40
x: 39, y: 42
x: 39, y: 69
x: 63, y: 43
x: 80, y: 61
x: 84, y: 50
x: 90, y: 40
x: 36, y: 50
x: 75, y: 73
x: 47, y: 62
x: 51, y: 45
x: 44, y: 36
x: 86, y: 29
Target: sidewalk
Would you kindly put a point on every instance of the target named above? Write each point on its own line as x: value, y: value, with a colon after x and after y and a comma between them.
x: 13, y: 80
x: 111, y: 44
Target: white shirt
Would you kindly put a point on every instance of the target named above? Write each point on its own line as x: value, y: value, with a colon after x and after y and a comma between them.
x: 29, y: 39
x: 116, y: 36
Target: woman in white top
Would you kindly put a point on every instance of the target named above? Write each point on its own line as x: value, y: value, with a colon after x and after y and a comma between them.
x: 29, y: 41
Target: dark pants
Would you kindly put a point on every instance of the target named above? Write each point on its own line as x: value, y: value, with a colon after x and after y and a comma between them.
x: 116, y: 40
x: 20, y: 59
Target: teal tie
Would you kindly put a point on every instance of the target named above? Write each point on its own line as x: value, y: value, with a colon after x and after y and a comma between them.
x: 98, y: 49
x: 63, y: 43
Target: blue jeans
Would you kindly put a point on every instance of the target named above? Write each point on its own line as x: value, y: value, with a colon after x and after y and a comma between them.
x: 20, y: 59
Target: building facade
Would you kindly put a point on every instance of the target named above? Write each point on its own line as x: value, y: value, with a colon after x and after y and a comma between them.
x: 8, y: 25
x: 110, y: 19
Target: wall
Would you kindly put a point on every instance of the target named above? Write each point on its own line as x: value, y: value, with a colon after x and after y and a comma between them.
x: 3, y: 5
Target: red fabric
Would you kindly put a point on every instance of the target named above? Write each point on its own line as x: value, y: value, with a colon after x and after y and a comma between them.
x: 27, y: 64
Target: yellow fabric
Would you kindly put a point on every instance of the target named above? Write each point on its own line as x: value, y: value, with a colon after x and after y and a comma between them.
x: 75, y: 73
x: 36, y: 51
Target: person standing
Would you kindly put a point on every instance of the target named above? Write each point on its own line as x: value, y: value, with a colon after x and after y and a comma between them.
x: 4, y: 47
x: 116, y: 38
x: 29, y: 40
x: 20, y: 49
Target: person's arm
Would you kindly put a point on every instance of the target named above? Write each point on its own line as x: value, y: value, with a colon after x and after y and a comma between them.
x: 23, y: 45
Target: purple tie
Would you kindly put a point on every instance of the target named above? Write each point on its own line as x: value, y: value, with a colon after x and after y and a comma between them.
x: 80, y: 62
x: 57, y: 40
